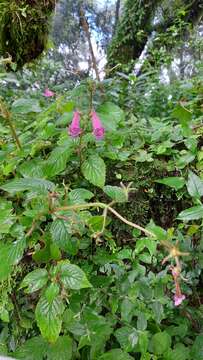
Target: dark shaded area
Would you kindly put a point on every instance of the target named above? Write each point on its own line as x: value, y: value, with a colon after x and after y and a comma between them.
x: 24, y: 29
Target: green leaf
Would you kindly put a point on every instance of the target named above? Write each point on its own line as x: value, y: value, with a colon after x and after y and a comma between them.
x: 197, y: 348
x: 78, y: 196
x: 6, y: 216
x: 5, y: 266
x: 61, y: 233
x: 49, y: 251
x: 51, y: 292
x: 110, y: 115
x: 143, y: 341
x: 141, y: 321
x: 72, y: 276
x: 160, y: 343
x: 160, y: 233
x: 127, y: 308
x: 61, y: 350
x: 158, y: 311
x: 96, y: 223
x: 10, y: 254
x: 26, y: 106
x: 116, y: 193
x: 49, y: 317
x: 35, y: 280
x: 32, y: 349
x: 193, y: 213
x: 94, y: 170
x: 195, y: 185
x: 115, y: 354
x: 56, y: 163
x: 174, y: 182
x: 184, y: 116
x: 16, y: 251
x: 127, y: 337
x: 32, y: 168
x: 32, y: 184
x: 180, y: 352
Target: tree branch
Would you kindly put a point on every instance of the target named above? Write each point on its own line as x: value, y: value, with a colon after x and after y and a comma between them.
x: 85, y: 27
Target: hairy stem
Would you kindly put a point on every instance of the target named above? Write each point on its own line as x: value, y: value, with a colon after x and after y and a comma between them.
x: 107, y: 207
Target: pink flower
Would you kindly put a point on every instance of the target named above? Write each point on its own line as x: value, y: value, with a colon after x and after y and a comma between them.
x: 178, y: 298
x: 98, y: 130
x: 74, y: 129
x: 48, y: 93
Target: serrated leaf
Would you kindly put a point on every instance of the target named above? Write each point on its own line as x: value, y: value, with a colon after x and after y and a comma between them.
x: 61, y: 350
x: 193, y: 213
x: 16, y: 251
x: 10, y: 255
x: 160, y: 343
x: 94, y: 170
x: 32, y: 168
x: 49, y: 317
x: 180, y: 352
x: 78, y: 196
x: 116, y: 193
x: 61, y: 233
x: 174, y: 182
x: 32, y: 184
x: 35, y: 280
x: 195, y: 185
x: 127, y: 337
x: 72, y: 276
x: 32, y: 349
x: 56, y: 163
x: 110, y: 115
x: 117, y: 354
x: 6, y: 216
x: 26, y: 106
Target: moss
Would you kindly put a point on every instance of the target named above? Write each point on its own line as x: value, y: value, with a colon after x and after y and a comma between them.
x: 24, y: 26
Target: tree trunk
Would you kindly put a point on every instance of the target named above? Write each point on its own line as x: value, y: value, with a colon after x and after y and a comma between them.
x: 24, y: 29
x: 117, y: 13
x: 135, y: 27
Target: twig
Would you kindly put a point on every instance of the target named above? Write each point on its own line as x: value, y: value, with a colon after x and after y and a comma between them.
x: 85, y: 26
x: 30, y: 231
x: 107, y: 207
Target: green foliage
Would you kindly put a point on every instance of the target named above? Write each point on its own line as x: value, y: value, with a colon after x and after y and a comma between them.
x: 79, y: 278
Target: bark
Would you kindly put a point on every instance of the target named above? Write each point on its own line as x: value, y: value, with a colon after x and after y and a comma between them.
x: 135, y: 28
x: 117, y: 14
x: 85, y: 27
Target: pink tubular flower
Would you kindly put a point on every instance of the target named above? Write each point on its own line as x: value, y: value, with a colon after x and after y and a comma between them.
x: 48, y: 93
x: 98, y: 130
x: 178, y: 298
x: 74, y: 129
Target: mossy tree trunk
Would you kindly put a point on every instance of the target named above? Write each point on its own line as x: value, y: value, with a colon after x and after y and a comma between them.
x: 136, y: 25
x: 24, y: 27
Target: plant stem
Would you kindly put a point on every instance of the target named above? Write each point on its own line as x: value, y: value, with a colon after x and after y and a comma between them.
x: 7, y: 116
x: 104, y: 206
